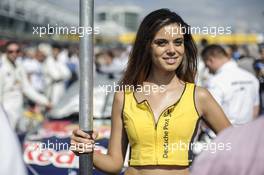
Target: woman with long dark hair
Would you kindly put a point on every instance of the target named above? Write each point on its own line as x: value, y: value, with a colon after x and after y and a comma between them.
x: 161, y: 125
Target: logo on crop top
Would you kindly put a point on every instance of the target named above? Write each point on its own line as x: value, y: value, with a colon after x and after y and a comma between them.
x: 167, y: 116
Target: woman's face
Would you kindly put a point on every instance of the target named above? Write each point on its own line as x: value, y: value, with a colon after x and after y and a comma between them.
x: 168, y: 48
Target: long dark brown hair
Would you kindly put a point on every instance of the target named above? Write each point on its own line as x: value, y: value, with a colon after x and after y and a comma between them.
x: 140, y: 61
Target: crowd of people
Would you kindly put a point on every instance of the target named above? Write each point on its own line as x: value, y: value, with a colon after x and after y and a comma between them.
x: 39, y: 73
x: 37, y: 76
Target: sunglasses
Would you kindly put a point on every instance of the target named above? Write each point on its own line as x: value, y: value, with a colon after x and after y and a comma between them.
x: 13, y: 51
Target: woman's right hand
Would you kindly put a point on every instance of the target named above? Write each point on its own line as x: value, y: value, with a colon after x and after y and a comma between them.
x: 82, y: 142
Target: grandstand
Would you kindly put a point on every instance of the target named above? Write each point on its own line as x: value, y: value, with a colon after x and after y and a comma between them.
x: 17, y: 17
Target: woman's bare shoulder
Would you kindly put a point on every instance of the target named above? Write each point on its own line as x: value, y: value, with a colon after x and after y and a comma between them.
x: 119, y: 97
x: 202, y: 99
x: 202, y: 93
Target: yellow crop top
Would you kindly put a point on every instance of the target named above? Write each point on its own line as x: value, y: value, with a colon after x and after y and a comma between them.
x: 167, y: 142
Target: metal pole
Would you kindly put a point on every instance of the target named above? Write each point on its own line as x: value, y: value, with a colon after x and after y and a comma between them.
x: 86, y: 82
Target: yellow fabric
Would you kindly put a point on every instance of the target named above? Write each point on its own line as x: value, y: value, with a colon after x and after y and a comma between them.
x: 164, y: 143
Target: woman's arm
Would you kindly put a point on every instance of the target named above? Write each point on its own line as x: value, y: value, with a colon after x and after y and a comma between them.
x: 210, y: 110
x: 113, y: 161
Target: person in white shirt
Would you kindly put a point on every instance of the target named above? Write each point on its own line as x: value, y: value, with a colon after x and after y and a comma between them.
x: 34, y: 69
x: 235, y: 89
x: 14, y: 84
x: 11, y: 156
x: 56, y: 73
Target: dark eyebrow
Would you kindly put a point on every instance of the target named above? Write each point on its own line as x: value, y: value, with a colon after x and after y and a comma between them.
x: 160, y: 40
x: 179, y: 39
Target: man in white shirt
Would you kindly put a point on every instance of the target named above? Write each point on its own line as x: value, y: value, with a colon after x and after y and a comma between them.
x: 56, y: 73
x: 14, y: 84
x: 34, y: 70
x: 235, y: 89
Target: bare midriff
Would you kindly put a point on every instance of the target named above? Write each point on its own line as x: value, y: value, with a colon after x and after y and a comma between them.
x: 157, y: 170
